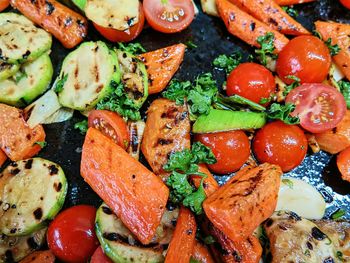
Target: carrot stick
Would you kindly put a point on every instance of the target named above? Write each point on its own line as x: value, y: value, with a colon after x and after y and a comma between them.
x: 3, y: 158
x: 161, y: 66
x: 69, y: 27
x: 17, y: 139
x: 136, y: 195
x: 210, y: 184
x: 182, y: 243
x: 270, y: 13
x: 4, y: 4
x: 292, y: 2
x: 39, y: 257
x: 339, y: 33
x: 246, y: 27
x: 245, y: 201
x: 201, y: 253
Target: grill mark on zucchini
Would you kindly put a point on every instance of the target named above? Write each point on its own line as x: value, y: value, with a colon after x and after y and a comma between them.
x: 57, y: 186
x: 38, y: 213
x: 53, y: 169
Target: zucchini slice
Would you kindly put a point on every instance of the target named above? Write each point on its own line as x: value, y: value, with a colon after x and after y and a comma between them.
x: 134, y: 77
x: 29, y: 82
x: 116, y: 14
x: 31, y: 192
x: 86, y: 76
x: 21, y: 40
x: 119, y: 244
x: 7, y: 70
x: 13, y: 249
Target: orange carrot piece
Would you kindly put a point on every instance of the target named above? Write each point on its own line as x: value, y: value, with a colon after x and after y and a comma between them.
x: 343, y: 163
x: 3, y: 158
x: 292, y: 2
x: 246, y: 27
x: 136, y: 195
x: 161, y: 66
x: 270, y: 13
x: 4, y: 4
x: 17, y: 139
x: 245, y: 201
x: 210, y: 184
x: 201, y: 253
x: 339, y: 33
x: 69, y: 27
x: 39, y: 257
x: 182, y: 243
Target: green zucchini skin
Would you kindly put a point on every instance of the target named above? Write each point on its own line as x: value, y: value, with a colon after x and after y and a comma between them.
x: 32, y: 191
x: 7, y: 70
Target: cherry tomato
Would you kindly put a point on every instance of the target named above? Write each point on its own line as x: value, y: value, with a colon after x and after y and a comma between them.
x: 114, y: 35
x: 319, y: 107
x: 111, y: 125
x: 100, y: 257
x: 305, y: 57
x: 71, y: 235
x: 169, y: 16
x: 281, y: 144
x: 4, y: 4
x: 345, y: 3
x: 252, y: 81
x: 231, y: 149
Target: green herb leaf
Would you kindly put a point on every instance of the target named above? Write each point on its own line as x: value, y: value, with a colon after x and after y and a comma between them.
x: 133, y: 48
x: 267, y: 48
x: 340, y: 256
x: 333, y: 49
x: 338, y: 214
x: 177, y: 91
x: 195, y: 200
x: 190, y: 44
x: 228, y: 63
x: 282, y: 112
x: 209, y: 240
x: 42, y: 144
x: 269, y: 99
x: 181, y: 161
x: 290, y: 11
x: 292, y: 86
x: 345, y: 90
x: 60, y: 83
x: 81, y: 126
x: 192, y: 260
x: 180, y: 187
x: 237, y: 102
x: 202, y: 154
x: 288, y: 183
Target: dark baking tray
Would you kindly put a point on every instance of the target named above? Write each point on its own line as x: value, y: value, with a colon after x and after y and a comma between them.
x: 212, y: 38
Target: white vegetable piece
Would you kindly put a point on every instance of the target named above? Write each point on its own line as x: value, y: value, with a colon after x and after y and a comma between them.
x: 209, y: 7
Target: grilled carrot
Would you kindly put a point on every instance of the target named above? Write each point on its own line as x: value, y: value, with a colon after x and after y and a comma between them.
x: 3, y: 158
x: 69, y: 27
x: 4, y: 4
x: 17, y: 139
x: 122, y: 183
x: 246, y: 27
x: 245, y: 201
x: 210, y: 185
x: 339, y: 33
x: 292, y: 2
x: 182, y: 243
x: 201, y: 253
x: 270, y: 13
x: 39, y: 257
x: 161, y: 66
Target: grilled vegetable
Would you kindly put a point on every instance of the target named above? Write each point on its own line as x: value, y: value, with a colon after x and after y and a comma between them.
x: 40, y: 257
x: 201, y: 253
x: 29, y: 82
x: 136, y: 130
x: 7, y: 70
x: 69, y: 27
x: 120, y: 245
x: 3, y: 158
x: 210, y: 184
x: 87, y: 75
x: 31, y: 192
x: 13, y: 249
x: 63, y: 114
x: 209, y: 7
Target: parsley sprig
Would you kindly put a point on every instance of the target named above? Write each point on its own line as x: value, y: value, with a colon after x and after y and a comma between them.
x: 283, y: 113
x: 228, y: 63
x: 267, y: 48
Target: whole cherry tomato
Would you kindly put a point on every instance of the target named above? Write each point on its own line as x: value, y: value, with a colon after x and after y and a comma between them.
x: 345, y: 3
x: 4, y: 4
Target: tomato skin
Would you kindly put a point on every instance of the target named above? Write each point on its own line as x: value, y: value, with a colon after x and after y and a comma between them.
x: 154, y: 9
x: 71, y: 235
x: 281, y: 144
x: 251, y: 81
x: 345, y: 3
x: 231, y: 149
x: 100, y: 257
x: 107, y: 122
x: 319, y: 107
x: 114, y: 35
x: 305, y: 57
x: 4, y: 4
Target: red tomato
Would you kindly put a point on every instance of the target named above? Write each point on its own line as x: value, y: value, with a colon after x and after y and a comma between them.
x: 169, y: 16
x: 71, y: 235
x: 100, y: 257
x: 4, y: 4
x: 319, y: 107
x: 281, y: 144
x: 305, y: 57
x: 114, y: 35
x: 345, y: 3
x: 111, y: 125
x: 251, y: 81
x: 231, y: 149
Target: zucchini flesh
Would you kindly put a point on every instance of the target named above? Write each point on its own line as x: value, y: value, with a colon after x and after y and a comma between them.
x: 116, y: 14
x: 31, y: 192
x: 7, y: 70
x: 28, y: 83
x: 119, y: 244
x: 21, y: 40
x: 86, y: 76
x: 13, y: 249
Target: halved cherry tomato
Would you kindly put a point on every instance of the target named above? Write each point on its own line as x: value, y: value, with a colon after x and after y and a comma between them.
x: 281, y: 144
x: 114, y: 35
x: 231, y: 149
x: 169, y: 16
x: 100, y: 257
x: 345, y: 3
x: 251, y: 81
x: 319, y: 107
x: 305, y: 57
x: 111, y: 125
x: 71, y: 235
x: 4, y: 4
